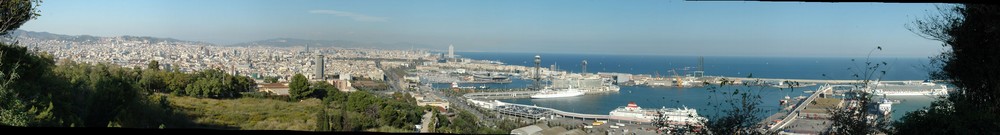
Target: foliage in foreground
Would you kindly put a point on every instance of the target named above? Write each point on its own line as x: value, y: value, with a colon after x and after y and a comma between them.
x: 971, y: 33
x: 40, y: 93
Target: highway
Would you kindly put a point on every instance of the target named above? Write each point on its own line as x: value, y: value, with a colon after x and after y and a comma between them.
x: 459, y: 104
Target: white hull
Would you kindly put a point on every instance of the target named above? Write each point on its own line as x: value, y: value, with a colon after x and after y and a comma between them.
x: 673, y: 115
x: 558, y: 94
x: 548, y: 93
x: 911, y: 89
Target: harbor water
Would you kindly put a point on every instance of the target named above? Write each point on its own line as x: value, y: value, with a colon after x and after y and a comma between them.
x: 708, y: 102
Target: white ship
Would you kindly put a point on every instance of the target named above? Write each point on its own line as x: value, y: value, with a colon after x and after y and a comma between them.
x: 910, y: 88
x: 682, y: 115
x: 549, y: 93
x: 673, y: 115
x: 585, y: 83
x: 614, y: 88
x: 885, y: 106
x: 634, y: 111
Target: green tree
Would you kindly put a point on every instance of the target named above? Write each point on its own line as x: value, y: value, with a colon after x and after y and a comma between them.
x: 211, y: 83
x: 177, y: 82
x: 971, y: 34
x: 152, y: 80
x: 322, y: 120
x: 153, y: 65
x: 361, y: 100
x: 321, y: 89
x: 12, y: 109
x: 14, y: 13
x: 442, y: 123
x: 70, y: 94
x: 270, y: 79
x: 299, y: 89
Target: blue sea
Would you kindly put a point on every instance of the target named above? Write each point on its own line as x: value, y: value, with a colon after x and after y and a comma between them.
x: 708, y: 103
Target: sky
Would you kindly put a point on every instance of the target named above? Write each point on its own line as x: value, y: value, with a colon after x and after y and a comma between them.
x: 653, y: 27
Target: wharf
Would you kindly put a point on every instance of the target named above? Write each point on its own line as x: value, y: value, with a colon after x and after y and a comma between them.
x: 817, y: 81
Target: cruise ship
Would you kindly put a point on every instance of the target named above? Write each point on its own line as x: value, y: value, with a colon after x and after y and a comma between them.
x: 910, y: 88
x: 674, y: 115
x: 588, y: 84
x: 549, y: 93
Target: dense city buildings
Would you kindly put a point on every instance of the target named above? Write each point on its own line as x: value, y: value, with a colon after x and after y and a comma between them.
x: 254, y: 61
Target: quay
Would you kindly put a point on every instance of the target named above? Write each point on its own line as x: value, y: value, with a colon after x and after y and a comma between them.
x: 817, y: 81
x: 792, y: 115
x: 536, y: 112
x: 500, y: 95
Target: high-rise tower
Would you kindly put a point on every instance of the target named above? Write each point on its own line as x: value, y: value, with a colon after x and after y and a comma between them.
x: 320, y: 64
x: 451, y: 51
x: 584, y: 63
x: 538, y: 73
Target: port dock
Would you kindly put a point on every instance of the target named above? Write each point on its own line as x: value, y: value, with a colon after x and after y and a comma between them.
x: 536, y: 112
x: 791, y: 117
x: 500, y: 95
x: 817, y: 81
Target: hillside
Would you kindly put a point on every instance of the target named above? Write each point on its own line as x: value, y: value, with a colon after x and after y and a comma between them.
x: 86, y: 39
x: 276, y: 42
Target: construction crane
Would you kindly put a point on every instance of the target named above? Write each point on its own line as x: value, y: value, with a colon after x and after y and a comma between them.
x: 678, y: 77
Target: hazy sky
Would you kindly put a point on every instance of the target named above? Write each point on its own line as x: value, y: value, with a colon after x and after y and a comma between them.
x: 658, y: 27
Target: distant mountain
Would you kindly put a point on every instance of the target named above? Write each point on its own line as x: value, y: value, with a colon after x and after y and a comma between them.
x: 21, y: 34
x: 278, y: 42
x: 293, y: 42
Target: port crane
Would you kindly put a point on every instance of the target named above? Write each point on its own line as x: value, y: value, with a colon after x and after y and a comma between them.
x: 677, y: 77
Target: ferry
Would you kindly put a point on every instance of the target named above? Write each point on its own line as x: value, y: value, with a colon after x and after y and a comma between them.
x: 674, y: 115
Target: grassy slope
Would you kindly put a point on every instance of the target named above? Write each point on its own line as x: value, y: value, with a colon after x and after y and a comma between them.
x: 250, y: 113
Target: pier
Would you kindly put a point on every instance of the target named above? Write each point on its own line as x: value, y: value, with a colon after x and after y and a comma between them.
x: 536, y: 112
x: 500, y: 95
x: 792, y: 115
x: 817, y: 81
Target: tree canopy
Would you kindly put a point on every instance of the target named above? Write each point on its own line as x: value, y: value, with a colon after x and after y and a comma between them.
x: 14, y: 13
x: 299, y: 87
x: 972, y: 35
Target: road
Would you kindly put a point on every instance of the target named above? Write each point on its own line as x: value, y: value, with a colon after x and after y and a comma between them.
x: 426, y: 123
x: 794, y: 113
x: 460, y: 103
x: 393, y: 80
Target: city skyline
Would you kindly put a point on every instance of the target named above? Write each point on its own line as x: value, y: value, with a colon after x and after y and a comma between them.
x: 593, y: 27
